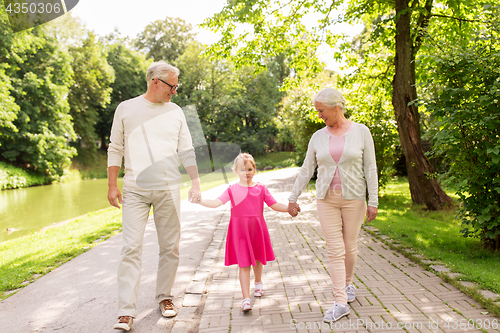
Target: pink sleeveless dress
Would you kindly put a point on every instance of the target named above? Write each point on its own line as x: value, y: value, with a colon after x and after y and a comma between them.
x: 247, y: 238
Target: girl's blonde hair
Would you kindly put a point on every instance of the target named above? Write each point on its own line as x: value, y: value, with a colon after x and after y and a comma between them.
x: 245, y: 157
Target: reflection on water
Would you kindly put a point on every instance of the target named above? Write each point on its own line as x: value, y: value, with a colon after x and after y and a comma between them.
x: 27, y: 209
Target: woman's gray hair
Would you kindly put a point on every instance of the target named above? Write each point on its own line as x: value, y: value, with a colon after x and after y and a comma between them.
x: 161, y: 70
x: 331, y: 98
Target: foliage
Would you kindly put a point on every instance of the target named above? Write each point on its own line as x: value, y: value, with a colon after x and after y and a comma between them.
x: 234, y: 106
x: 255, y: 31
x: 40, y: 75
x: 464, y: 97
x: 165, y: 39
x: 12, y: 177
x: 368, y: 94
x: 90, y: 92
x: 298, y: 116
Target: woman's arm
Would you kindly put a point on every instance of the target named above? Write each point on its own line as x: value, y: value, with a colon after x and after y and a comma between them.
x: 279, y: 207
x: 370, y: 169
x: 305, y: 173
x: 210, y: 203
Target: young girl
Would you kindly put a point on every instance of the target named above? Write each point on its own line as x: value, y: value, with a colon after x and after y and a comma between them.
x: 247, y: 242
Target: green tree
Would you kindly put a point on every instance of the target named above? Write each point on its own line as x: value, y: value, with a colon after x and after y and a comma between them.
x: 464, y: 97
x: 236, y: 106
x: 256, y: 30
x: 165, y: 39
x: 39, y: 124
x: 90, y: 92
x: 130, y: 81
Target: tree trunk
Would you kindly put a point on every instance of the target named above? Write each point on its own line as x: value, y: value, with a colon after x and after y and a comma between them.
x: 420, y: 172
x: 103, y: 143
x: 416, y: 195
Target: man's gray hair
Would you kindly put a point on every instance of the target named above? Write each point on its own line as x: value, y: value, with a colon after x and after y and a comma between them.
x: 331, y: 98
x: 161, y: 70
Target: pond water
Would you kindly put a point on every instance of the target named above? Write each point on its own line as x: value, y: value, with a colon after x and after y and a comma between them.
x: 25, y: 210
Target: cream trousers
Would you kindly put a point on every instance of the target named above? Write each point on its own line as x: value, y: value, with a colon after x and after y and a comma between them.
x: 136, y: 207
x: 341, y: 222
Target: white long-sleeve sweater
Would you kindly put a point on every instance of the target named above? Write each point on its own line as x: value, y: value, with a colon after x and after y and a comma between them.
x: 357, y: 166
x: 152, y: 137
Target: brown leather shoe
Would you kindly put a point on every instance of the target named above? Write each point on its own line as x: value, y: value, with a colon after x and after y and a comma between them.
x: 124, y: 323
x: 167, y: 308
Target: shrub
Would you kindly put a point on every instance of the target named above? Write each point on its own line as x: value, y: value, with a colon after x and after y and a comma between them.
x: 466, y: 102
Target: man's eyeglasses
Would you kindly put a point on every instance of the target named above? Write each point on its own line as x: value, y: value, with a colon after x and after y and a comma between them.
x: 172, y: 88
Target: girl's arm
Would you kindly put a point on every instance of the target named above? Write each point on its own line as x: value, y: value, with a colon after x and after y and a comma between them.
x: 279, y: 207
x: 210, y: 203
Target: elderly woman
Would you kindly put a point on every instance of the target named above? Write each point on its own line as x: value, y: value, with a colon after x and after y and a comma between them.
x: 344, y: 153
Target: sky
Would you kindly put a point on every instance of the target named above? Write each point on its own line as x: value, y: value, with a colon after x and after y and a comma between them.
x: 131, y: 17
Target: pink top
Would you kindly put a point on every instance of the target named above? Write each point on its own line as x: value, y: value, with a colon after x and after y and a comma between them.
x: 241, y: 192
x: 336, y: 146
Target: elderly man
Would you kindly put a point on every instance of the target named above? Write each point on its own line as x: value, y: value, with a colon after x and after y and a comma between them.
x: 151, y: 133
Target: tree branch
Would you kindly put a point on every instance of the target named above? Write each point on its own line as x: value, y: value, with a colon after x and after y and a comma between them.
x: 384, y: 74
x: 455, y: 18
x: 422, y: 23
x: 323, y: 26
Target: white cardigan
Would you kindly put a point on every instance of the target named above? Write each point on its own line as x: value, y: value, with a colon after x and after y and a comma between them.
x: 356, y: 164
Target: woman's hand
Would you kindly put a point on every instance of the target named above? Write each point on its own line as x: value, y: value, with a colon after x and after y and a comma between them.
x: 293, y: 208
x: 371, y: 213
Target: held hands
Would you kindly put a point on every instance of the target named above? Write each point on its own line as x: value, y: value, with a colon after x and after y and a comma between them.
x: 194, y: 194
x: 293, y: 209
x: 371, y: 213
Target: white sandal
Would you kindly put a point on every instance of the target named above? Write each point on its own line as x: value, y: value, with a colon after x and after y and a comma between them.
x: 259, y: 289
x: 246, y: 305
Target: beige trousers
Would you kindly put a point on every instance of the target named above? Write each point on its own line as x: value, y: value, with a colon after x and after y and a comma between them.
x: 136, y: 207
x: 341, y: 222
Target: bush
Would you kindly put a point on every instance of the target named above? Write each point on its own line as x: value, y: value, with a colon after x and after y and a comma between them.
x: 466, y: 103
x: 12, y: 177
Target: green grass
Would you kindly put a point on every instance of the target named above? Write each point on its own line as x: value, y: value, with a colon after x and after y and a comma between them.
x: 271, y: 161
x: 91, y: 165
x: 435, y: 235
x: 24, y: 259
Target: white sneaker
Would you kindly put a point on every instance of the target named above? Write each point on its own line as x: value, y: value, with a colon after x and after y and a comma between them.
x: 246, y: 305
x: 124, y: 323
x: 167, y: 308
x: 351, y: 293
x: 336, y: 312
x: 259, y: 289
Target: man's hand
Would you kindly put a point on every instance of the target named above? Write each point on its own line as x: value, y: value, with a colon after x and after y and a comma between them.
x: 371, y: 213
x: 194, y: 194
x: 113, y: 194
x: 293, y: 209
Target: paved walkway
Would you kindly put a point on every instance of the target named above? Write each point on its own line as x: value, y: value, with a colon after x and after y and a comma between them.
x: 394, y: 294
